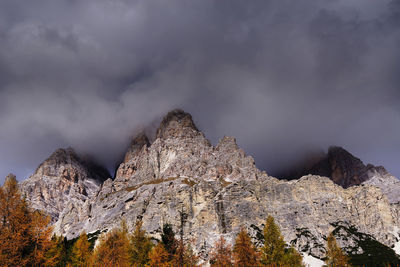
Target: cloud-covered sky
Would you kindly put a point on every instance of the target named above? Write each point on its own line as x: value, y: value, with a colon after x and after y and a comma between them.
x: 283, y: 77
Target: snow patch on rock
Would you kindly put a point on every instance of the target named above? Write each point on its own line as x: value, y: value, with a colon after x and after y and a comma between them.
x: 312, y: 261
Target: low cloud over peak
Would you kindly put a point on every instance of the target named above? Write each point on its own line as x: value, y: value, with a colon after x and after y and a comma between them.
x: 284, y: 77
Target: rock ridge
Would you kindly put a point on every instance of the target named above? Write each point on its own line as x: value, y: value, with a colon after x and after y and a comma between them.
x: 63, y: 180
x: 221, y: 190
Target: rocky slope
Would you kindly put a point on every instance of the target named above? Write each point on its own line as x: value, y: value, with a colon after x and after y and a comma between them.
x: 218, y: 188
x: 63, y: 183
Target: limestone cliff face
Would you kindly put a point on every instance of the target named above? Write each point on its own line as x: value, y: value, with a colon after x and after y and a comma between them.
x: 63, y: 181
x: 180, y: 150
x: 220, y: 190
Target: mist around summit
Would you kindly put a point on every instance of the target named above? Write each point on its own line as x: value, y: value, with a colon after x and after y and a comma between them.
x: 286, y: 78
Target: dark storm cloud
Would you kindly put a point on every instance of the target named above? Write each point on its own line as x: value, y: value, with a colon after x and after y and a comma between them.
x: 284, y: 77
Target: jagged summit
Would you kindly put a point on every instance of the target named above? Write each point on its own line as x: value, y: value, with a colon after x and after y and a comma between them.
x: 63, y: 182
x: 66, y: 163
x: 136, y: 145
x: 219, y: 188
x: 339, y: 165
x: 176, y: 123
x: 342, y: 167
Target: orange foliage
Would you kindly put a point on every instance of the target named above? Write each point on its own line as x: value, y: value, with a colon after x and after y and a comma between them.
x: 24, y: 235
x: 244, y: 252
x: 159, y: 257
x: 221, y: 255
x: 113, y: 249
x: 81, y: 253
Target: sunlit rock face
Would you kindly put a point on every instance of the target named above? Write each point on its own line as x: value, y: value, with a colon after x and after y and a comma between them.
x: 217, y: 188
x: 63, y: 182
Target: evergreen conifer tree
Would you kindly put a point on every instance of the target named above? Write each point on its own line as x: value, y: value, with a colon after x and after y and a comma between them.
x: 169, y: 241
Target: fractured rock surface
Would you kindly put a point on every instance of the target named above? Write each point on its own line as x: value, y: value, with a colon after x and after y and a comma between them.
x: 219, y: 188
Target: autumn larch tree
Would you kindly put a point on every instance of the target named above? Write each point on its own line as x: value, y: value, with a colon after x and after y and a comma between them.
x: 274, y: 251
x: 159, y: 257
x: 221, y: 255
x: 14, y: 225
x: 81, y: 252
x: 24, y: 235
x: 244, y: 252
x: 334, y: 254
x: 185, y: 256
x: 292, y: 258
x: 113, y: 249
x: 140, y: 246
x: 40, y: 237
x: 190, y: 259
x: 274, y: 246
x: 56, y: 255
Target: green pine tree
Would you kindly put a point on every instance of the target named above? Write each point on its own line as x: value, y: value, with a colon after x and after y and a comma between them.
x: 168, y: 240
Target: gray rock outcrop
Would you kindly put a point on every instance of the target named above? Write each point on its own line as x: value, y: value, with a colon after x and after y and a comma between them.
x: 219, y: 188
x: 63, y: 183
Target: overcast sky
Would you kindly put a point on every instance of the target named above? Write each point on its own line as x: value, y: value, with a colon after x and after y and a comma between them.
x: 283, y: 77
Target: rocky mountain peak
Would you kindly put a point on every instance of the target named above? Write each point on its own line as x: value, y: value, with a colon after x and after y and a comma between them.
x: 67, y: 164
x: 219, y: 188
x: 338, y: 164
x: 177, y: 123
x: 346, y: 169
x: 63, y: 182
x: 136, y: 146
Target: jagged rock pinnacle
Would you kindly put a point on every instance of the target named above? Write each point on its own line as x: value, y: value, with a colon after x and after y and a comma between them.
x: 176, y: 123
x: 63, y: 182
x: 220, y: 189
x: 338, y: 164
x: 346, y: 169
x: 136, y: 145
x: 67, y: 164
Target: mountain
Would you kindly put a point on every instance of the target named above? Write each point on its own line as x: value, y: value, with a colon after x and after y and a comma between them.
x: 219, y: 190
x: 63, y: 183
x: 339, y: 165
x: 346, y: 170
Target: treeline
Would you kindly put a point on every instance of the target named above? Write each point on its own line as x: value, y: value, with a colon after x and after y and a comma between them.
x: 25, y: 240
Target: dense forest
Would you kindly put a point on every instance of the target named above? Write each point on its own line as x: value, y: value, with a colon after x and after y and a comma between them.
x: 26, y: 239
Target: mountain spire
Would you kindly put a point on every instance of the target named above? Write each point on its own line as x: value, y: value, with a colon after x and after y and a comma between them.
x: 177, y: 123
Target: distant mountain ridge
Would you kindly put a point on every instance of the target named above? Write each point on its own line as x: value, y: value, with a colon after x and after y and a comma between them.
x: 339, y: 165
x: 220, y: 189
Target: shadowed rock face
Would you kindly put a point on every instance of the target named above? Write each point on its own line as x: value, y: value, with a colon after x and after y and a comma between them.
x: 339, y: 165
x: 220, y: 190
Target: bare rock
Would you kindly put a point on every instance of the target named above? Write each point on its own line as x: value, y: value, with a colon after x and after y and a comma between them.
x: 62, y: 180
x: 220, y: 190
